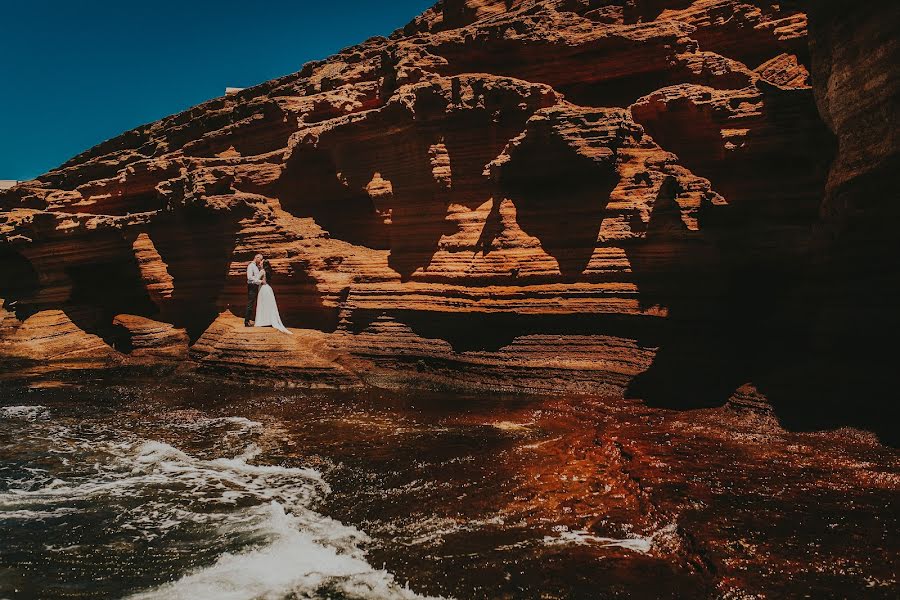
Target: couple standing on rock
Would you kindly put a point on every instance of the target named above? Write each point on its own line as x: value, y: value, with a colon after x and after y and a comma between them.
x: 260, y: 294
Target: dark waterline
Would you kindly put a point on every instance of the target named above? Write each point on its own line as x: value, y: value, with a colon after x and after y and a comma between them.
x: 466, y: 496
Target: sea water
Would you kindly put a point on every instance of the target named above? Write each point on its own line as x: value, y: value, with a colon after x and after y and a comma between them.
x: 171, y: 491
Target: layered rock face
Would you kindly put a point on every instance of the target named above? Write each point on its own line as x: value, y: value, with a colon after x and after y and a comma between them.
x: 628, y: 197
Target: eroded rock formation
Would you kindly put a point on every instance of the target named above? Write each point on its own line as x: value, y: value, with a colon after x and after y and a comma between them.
x: 631, y: 197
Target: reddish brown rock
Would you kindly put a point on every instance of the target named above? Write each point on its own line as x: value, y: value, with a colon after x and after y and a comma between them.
x: 627, y: 197
x: 50, y: 341
x: 153, y: 339
x: 262, y: 352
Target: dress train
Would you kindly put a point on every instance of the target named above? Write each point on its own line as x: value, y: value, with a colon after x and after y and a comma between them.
x: 267, y: 310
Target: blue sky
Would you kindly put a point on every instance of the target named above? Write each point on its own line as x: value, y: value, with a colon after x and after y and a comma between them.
x: 76, y: 72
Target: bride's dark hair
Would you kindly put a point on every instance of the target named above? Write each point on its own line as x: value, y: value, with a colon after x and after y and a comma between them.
x: 267, y: 267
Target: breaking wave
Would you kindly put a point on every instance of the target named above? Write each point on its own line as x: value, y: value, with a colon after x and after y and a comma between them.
x: 261, y: 520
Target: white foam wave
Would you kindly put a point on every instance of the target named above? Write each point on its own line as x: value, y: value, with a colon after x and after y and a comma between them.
x: 294, y: 564
x: 36, y: 515
x: 202, y: 422
x: 28, y: 413
x: 634, y: 543
x: 282, y: 547
x: 432, y: 531
x: 642, y: 545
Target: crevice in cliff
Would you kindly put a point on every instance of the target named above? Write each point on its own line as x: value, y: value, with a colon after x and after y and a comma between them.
x: 636, y: 11
x: 739, y: 38
x: 119, y: 204
x: 191, y: 125
x: 131, y: 191
x: 619, y: 92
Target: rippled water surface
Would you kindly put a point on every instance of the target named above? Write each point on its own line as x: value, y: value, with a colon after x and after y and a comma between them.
x: 199, y: 489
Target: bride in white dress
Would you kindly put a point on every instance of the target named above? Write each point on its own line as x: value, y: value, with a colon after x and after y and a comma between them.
x: 266, y: 307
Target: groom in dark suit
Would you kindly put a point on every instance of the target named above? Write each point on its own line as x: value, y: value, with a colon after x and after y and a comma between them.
x: 254, y: 280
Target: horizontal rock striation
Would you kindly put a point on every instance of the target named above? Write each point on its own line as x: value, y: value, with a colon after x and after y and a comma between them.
x: 627, y: 197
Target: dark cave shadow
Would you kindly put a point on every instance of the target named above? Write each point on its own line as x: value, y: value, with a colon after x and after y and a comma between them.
x: 19, y: 285
x: 731, y: 310
x: 560, y: 198
x: 197, y: 248
x: 685, y: 272
x: 309, y: 187
x: 409, y: 221
x: 490, y: 332
x: 107, y: 287
x: 745, y: 306
x: 846, y: 376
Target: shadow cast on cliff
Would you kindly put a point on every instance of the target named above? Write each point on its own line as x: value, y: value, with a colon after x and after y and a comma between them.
x: 560, y: 198
x: 491, y: 332
x: 197, y: 249
x: 751, y: 300
x: 107, y: 287
x: 331, y: 186
x: 386, y: 182
x: 20, y: 283
x: 473, y: 139
x: 310, y: 186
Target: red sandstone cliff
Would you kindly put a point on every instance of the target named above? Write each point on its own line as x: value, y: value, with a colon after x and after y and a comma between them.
x: 637, y: 196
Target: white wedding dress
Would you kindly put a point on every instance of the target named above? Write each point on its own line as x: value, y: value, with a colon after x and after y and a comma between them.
x: 267, y: 310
